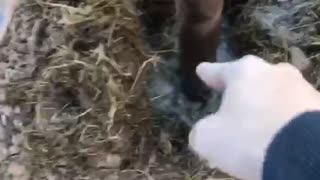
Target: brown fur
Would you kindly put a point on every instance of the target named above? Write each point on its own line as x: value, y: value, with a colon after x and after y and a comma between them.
x: 199, y: 23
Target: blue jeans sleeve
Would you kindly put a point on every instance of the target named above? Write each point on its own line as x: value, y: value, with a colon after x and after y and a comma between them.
x: 294, y: 153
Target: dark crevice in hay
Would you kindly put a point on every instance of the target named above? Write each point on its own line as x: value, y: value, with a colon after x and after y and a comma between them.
x: 157, y: 18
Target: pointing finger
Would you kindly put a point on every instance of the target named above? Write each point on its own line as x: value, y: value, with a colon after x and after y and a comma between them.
x: 219, y: 75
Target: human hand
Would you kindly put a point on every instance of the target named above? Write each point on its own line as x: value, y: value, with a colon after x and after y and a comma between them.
x: 258, y: 100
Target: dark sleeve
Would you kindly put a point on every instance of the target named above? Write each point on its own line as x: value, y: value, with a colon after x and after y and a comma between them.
x: 294, y: 153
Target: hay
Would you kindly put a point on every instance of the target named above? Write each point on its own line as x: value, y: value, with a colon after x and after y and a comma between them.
x: 280, y: 33
x: 83, y: 111
x: 79, y: 98
x: 270, y: 30
x: 88, y: 112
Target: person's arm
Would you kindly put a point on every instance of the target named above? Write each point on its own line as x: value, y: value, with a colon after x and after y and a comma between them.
x: 260, y: 131
x: 294, y: 153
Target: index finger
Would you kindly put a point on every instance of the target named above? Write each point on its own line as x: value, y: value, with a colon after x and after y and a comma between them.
x: 219, y: 75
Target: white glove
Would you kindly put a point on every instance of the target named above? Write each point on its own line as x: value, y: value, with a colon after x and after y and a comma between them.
x: 258, y: 100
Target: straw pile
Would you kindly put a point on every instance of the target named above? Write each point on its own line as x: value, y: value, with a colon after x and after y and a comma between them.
x: 88, y: 113
x: 78, y: 108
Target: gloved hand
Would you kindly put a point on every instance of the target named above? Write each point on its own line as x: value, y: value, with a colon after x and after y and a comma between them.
x: 259, y: 99
x: 7, y: 8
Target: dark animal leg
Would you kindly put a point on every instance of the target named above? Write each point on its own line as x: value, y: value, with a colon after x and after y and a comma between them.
x: 198, y: 42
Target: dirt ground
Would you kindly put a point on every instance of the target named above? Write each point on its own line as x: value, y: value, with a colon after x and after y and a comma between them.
x: 88, y: 88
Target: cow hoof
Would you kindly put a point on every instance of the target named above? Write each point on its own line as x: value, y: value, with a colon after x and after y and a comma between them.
x: 194, y: 89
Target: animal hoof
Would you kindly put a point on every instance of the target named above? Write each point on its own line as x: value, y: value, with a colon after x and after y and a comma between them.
x: 194, y: 89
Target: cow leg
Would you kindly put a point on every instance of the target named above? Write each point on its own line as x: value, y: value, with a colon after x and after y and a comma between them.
x: 198, y: 42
